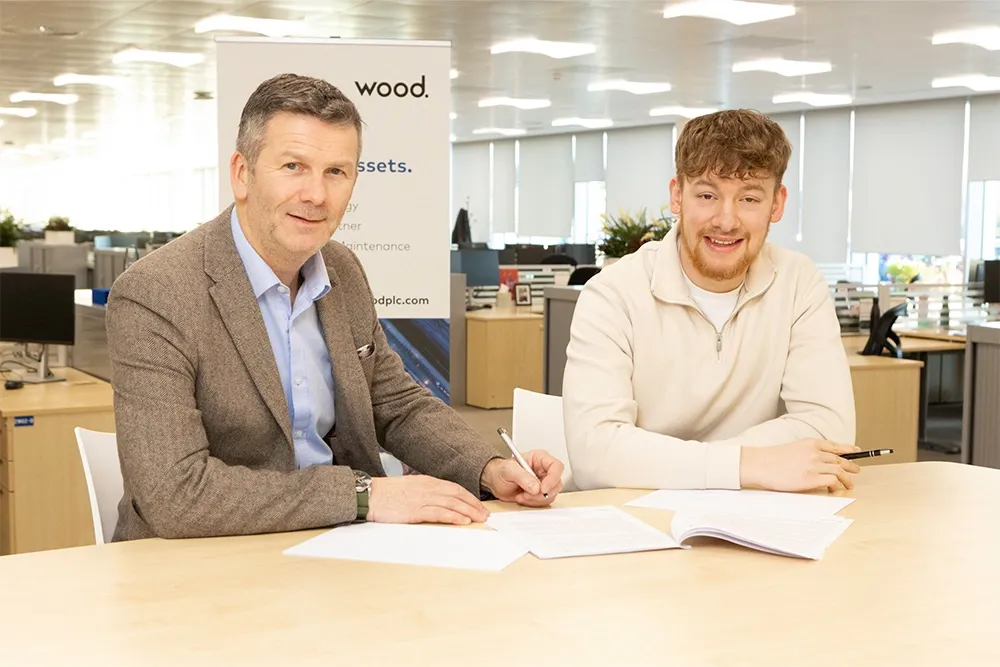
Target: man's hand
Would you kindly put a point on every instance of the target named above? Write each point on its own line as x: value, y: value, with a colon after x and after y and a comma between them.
x: 422, y: 499
x: 508, y: 481
x: 798, y: 466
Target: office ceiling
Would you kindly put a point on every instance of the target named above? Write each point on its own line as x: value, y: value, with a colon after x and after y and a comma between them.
x: 881, y: 51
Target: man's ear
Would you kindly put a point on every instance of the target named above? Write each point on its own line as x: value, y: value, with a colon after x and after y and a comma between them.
x: 239, y: 176
x: 675, y: 196
x: 778, y: 206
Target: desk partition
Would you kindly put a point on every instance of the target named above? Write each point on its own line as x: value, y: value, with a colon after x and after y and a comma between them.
x: 560, y: 303
x: 981, y: 411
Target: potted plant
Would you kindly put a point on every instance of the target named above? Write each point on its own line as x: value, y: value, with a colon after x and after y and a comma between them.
x: 626, y: 233
x: 10, y: 233
x: 59, y: 232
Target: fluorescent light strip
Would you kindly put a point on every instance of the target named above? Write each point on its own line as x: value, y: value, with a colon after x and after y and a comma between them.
x: 518, y: 103
x: 175, y: 58
x: 544, y: 48
x: 783, y: 67
x: 267, y: 27
x: 634, y: 87
x: 979, y: 83
x: 57, y: 98
x: 736, y: 12
x: 684, y: 112
x: 87, y: 79
x: 21, y: 112
x: 453, y: 74
x: 589, y: 123
x: 502, y: 131
x: 813, y: 99
x: 987, y: 37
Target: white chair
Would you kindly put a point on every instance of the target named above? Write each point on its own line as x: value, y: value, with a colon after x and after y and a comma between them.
x: 99, y: 454
x: 538, y: 424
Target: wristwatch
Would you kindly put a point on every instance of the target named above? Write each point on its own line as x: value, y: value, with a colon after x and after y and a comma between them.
x: 363, y: 487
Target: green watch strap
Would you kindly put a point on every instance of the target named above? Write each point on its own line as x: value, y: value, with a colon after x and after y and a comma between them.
x: 363, y: 497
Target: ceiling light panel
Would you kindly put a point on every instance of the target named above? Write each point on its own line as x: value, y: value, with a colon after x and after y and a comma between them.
x: 683, y: 112
x: 783, y: 67
x: 57, y: 98
x: 977, y: 82
x: 502, y: 131
x: 544, y: 48
x: 634, y: 87
x: 737, y: 12
x: 89, y: 80
x: 267, y: 27
x: 524, y: 104
x: 22, y: 112
x: 175, y: 58
x: 589, y: 123
x: 813, y: 99
x: 987, y: 37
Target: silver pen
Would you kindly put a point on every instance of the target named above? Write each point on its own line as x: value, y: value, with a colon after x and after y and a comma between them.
x: 517, y: 455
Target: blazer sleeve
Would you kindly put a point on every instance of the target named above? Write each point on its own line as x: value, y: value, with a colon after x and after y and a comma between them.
x: 178, y: 487
x: 415, y: 426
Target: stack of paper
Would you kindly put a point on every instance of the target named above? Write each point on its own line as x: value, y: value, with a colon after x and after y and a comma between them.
x: 802, y: 538
x: 433, y: 546
x: 581, y: 531
x: 745, y: 502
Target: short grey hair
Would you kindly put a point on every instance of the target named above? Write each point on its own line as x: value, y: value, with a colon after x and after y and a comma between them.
x: 292, y: 93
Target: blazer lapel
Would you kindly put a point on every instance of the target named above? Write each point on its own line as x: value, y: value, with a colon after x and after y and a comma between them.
x: 240, y: 312
x: 351, y: 397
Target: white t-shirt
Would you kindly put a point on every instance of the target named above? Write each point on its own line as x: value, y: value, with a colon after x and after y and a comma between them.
x: 716, y: 306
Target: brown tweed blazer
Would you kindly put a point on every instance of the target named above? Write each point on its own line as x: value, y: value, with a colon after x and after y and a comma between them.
x: 204, y: 432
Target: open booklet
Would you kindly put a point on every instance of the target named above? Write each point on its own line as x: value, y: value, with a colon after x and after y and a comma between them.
x: 589, y: 531
x: 798, y: 537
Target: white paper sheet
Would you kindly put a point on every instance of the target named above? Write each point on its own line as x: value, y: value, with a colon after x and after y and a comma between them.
x: 747, y: 502
x: 405, y: 544
x: 802, y: 537
x: 583, y: 531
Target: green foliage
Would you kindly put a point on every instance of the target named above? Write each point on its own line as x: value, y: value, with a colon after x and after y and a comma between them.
x: 58, y: 223
x: 10, y: 229
x: 626, y: 233
x: 902, y: 272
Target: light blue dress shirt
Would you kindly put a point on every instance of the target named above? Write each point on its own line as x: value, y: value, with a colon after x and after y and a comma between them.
x: 299, y: 347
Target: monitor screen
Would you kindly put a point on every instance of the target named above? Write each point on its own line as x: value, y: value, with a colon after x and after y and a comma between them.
x: 37, y: 308
x: 481, y: 267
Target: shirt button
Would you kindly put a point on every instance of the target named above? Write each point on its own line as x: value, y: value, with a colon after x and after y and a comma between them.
x: 298, y: 381
x: 298, y: 434
x: 282, y: 289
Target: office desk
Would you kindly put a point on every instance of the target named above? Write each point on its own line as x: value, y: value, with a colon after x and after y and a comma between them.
x: 503, y: 352
x: 43, y: 493
x: 911, y: 582
x: 917, y: 349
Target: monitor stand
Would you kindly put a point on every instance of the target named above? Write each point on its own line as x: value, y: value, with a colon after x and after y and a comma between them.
x: 44, y: 374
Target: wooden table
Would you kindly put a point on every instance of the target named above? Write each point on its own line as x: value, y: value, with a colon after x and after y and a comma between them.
x: 43, y: 494
x: 504, y: 351
x: 913, y: 581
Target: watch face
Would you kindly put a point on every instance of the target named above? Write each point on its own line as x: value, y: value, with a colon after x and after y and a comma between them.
x: 362, y: 481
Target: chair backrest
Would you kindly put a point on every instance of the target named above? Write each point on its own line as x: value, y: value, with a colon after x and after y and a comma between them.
x: 581, y: 275
x: 99, y: 455
x: 538, y: 424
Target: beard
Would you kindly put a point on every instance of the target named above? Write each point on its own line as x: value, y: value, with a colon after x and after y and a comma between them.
x: 701, y: 257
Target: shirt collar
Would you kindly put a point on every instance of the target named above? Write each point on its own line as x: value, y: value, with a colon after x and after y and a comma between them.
x: 315, y: 278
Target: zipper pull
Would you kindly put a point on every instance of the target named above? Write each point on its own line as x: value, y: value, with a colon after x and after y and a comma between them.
x: 718, y: 346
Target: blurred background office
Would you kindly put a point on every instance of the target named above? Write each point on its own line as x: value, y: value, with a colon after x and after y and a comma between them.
x: 565, y: 114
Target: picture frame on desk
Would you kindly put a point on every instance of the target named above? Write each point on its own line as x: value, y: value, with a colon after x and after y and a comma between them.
x: 522, y: 294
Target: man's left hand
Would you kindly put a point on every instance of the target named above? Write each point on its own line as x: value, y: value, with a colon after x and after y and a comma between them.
x: 509, y: 482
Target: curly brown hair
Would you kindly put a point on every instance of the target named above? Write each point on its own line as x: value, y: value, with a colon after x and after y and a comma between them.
x: 736, y: 143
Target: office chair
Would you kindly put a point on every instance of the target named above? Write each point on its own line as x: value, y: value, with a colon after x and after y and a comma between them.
x: 581, y: 275
x: 882, y: 337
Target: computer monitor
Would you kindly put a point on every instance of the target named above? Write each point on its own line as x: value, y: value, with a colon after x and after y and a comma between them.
x: 991, y: 281
x: 481, y: 267
x: 102, y: 241
x: 38, y: 308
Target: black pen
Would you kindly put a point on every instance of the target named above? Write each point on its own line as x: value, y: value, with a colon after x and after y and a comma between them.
x: 865, y: 455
